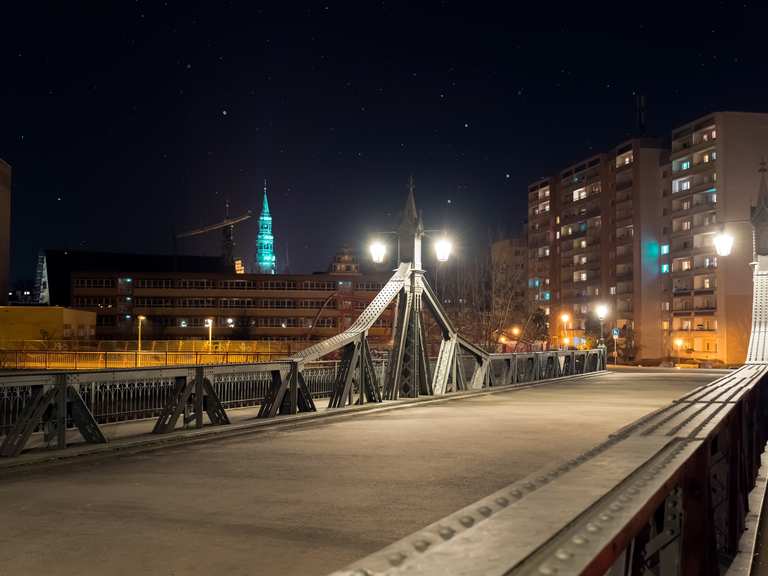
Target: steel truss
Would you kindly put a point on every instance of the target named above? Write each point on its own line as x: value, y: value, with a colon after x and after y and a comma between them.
x: 191, y: 397
x: 53, y: 405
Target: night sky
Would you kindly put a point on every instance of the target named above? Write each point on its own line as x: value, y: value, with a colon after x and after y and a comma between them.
x: 125, y: 121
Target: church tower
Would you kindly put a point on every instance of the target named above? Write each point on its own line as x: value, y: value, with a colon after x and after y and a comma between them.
x: 265, y: 242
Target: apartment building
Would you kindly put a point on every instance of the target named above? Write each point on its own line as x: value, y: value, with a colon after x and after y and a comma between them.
x: 178, y: 295
x: 586, y: 228
x: 709, y: 184
x: 634, y: 228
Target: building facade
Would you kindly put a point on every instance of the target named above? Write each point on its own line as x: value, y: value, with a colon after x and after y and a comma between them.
x: 710, y: 182
x: 266, y: 261
x: 5, y: 231
x: 177, y: 297
x: 634, y: 229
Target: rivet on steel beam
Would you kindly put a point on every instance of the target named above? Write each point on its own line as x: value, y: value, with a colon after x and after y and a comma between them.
x: 547, y: 569
x: 605, y: 517
x: 466, y: 521
x: 591, y: 527
x: 485, y: 511
x: 396, y: 559
x: 446, y: 533
x: 616, y: 506
x: 421, y: 545
x: 501, y: 501
x: 563, y: 554
x: 516, y: 493
x: 529, y: 485
x: 579, y: 539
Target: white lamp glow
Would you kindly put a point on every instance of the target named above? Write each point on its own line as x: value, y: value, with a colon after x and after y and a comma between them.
x: 602, y: 311
x: 723, y: 244
x: 378, y: 251
x: 443, y: 248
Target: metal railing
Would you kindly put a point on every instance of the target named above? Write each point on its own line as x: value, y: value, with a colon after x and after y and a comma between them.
x: 87, y: 360
x: 127, y: 395
x: 123, y: 395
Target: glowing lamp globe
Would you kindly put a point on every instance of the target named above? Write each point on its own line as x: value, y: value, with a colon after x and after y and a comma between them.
x: 723, y: 244
x: 602, y: 311
x: 378, y: 251
x: 443, y: 248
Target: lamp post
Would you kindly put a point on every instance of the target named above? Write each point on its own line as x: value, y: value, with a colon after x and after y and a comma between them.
x: 615, y: 349
x: 209, y: 324
x: 678, y: 345
x: 602, y: 312
x: 564, y: 317
x: 140, y: 320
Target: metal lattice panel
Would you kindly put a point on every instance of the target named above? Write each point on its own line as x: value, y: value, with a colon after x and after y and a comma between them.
x: 363, y: 322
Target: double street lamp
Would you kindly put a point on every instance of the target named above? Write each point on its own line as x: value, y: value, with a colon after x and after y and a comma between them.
x: 443, y: 249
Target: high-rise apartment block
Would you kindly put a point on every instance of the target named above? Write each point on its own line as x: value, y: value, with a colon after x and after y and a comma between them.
x: 634, y: 228
x: 5, y: 230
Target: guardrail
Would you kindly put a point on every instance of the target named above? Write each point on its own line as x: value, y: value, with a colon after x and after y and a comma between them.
x: 127, y: 395
x: 86, y: 360
x: 53, y: 401
x: 666, y: 495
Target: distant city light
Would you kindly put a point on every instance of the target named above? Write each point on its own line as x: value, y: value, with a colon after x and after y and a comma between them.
x: 443, y: 248
x: 378, y: 251
x: 564, y: 317
x: 723, y: 244
x: 602, y: 311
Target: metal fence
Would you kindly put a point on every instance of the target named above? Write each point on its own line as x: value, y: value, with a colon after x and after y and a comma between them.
x: 93, y: 360
x: 126, y: 395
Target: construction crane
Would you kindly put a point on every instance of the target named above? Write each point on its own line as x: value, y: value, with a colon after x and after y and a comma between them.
x: 228, y: 234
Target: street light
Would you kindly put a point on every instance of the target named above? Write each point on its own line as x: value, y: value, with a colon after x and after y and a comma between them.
x: 515, y: 331
x: 602, y: 312
x: 443, y: 248
x: 678, y: 344
x: 378, y: 250
x: 209, y: 324
x: 564, y: 317
x: 723, y: 244
x: 140, y: 319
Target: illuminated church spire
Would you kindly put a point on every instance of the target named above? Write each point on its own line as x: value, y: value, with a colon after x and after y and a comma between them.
x: 265, y: 242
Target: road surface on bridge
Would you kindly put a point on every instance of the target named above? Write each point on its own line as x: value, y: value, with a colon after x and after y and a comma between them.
x: 311, y: 499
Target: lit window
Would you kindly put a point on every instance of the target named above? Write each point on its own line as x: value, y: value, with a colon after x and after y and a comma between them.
x: 685, y: 265
x: 546, y: 295
x: 583, y: 244
x: 685, y: 164
x: 612, y: 290
x: 579, y: 194
x: 665, y: 249
x: 665, y: 268
x: 665, y: 324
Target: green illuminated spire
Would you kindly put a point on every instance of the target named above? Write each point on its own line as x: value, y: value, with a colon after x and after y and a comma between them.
x: 265, y: 242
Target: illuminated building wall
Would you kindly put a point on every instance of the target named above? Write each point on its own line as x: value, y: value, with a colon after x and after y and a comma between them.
x: 265, y: 242
x: 709, y: 184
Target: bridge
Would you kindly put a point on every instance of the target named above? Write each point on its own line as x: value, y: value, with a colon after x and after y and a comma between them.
x: 470, y: 463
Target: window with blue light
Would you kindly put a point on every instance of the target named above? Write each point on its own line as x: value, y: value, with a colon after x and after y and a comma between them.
x: 665, y: 268
x: 546, y: 295
x: 583, y: 227
x: 665, y: 249
x: 685, y: 164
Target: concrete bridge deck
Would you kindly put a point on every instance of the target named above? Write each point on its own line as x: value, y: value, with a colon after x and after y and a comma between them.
x: 313, y: 499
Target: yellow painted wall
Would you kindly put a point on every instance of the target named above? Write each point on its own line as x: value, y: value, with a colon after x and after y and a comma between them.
x: 45, y: 322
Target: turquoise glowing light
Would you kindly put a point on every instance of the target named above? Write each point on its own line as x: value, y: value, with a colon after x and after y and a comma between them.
x: 265, y: 241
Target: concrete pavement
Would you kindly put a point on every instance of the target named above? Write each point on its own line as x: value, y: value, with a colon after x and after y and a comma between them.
x: 312, y: 499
